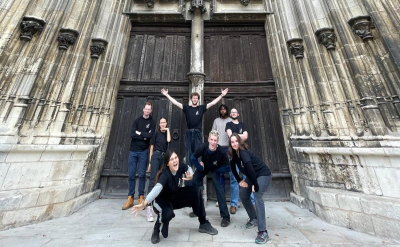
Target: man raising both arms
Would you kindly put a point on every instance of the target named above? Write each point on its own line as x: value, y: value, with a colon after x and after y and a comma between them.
x: 194, y: 119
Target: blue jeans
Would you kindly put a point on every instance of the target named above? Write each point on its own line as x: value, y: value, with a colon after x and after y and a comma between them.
x: 263, y: 183
x: 137, y: 161
x: 193, y: 140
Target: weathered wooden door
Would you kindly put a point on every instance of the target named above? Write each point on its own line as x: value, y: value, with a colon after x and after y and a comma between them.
x: 236, y: 56
x: 157, y: 57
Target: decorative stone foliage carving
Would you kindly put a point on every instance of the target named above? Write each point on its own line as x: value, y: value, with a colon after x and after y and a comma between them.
x: 197, y: 4
x: 327, y: 37
x: 30, y: 25
x: 196, y: 78
x: 296, y: 47
x: 66, y: 38
x: 150, y: 3
x: 361, y: 25
x: 245, y: 2
x: 97, y: 48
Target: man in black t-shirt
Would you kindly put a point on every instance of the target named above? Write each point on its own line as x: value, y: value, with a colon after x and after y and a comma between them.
x: 212, y: 157
x: 194, y: 119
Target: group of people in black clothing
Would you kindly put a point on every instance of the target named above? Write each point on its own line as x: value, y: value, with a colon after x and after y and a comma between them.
x: 225, y: 151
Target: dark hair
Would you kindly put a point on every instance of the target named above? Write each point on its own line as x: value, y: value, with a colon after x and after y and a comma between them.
x: 242, y: 145
x: 194, y: 94
x: 159, y: 122
x: 223, y: 106
x: 167, y: 156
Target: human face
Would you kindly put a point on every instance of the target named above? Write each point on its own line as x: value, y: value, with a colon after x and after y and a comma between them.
x: 163, y: 123
x: 234, y: 114
x: 222, y: 112
x: 173, y: 163
x: 212, y: 142
x: 147, y: 111
x: 234, y: 143
x: 195, y: 100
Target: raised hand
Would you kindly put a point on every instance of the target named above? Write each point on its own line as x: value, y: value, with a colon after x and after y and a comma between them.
x: 164, y: 91
x: 188, y: 175
x: 224, y: 92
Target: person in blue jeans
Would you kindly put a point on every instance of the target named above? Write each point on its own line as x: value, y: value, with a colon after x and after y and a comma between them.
x: 235, y: 126
x: 142, y: 131
x: 258, y: 179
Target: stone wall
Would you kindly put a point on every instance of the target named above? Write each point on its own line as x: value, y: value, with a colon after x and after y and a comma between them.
x: 338, y: 74
x: 60, y: 65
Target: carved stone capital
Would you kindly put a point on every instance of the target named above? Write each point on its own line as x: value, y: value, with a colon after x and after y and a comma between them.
x: 97, y: 48
x: 245, y: 2
x: 150, y: 3
x: 196, y: 78
x: 327, y: 37
x: 30, y: 25
x: 296, y: 47
x: 361, y: 26
x: 66, y: 38
x: 197, y: 4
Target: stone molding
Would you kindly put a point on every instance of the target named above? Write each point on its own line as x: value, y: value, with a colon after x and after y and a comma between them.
x: 296, y: 47
x: 245, y: 2
x: 150, y: 3
x: 240, y: 16
x: 66, y: 38
x: 327, y: 37
x: 97, y: 48
x: 30, y: 25
x: 197, y: 4
x: 361, y: 26
x: 196, y: 78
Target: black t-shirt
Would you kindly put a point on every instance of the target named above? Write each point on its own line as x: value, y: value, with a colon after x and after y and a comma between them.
x: 147, y: 128
x: 236, y: 128
x: 250, y: 165
x: 194, y: 115
x: 212, y: 161
x: 159, y: 141
x: 170, y: 182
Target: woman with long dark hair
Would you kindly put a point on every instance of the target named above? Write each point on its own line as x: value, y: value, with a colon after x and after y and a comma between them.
x: 167, y: 196
x: 158, y: 146
x: 258, y: 178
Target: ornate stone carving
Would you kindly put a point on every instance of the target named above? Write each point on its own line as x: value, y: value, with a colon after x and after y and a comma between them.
x: 196, y: 78
x: 327, y: 37
x: 66, y: 38
x: 150, y: 3
x: 245, y: 2
x: 197, y: 4
x: 30, y: 25
x: 97, y: 48
x: 361, y: 25
x: 296, y: 47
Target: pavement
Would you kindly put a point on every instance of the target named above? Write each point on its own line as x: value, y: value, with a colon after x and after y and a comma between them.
x: 103, y: 224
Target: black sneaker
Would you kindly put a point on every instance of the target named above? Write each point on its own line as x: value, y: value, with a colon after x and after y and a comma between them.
x: 155, y: 237
x: 225, y: 222
x: 251, y: 223
x: 192, y: 215
x: 207, y: 228
x: 262, y: 237
x: 164, y: 230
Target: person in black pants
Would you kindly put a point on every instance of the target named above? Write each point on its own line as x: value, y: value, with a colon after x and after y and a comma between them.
x: 212, y: 157
x: 167, y: 196
x: 158, y: 146
x: 258, y: 178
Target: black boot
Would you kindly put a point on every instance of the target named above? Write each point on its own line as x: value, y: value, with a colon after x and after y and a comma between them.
x: 155, y: 237
x: 164, y: 229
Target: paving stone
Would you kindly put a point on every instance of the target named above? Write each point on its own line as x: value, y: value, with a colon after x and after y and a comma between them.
x: 71, y: 242
x: 284, y: 236
x: 33, y: 241
x: 323, y: 237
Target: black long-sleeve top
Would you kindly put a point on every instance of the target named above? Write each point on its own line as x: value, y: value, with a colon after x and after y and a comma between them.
x: 146, y: 127
x: 250, y: 165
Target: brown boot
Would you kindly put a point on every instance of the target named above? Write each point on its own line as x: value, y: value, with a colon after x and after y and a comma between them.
x: 232, y: 210
x: 141, y: 199
x: 254, y: 206
x: 128, y: 203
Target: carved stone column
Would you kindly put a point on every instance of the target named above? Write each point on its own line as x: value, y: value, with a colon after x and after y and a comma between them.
x: 296, y: 47
x: 361, y: 25
x: 66, y: 38
x: 30, y: 25
x: 97, y: 48
x: 327, y: 37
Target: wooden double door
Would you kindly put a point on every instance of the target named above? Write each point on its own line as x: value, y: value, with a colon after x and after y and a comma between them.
x: 235, y: 56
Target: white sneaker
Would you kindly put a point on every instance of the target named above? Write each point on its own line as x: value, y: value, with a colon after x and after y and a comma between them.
x: 216, y: 204
x: 149, y: 214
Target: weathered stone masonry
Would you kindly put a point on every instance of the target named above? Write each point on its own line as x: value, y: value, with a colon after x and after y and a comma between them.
x: 336, y: 67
